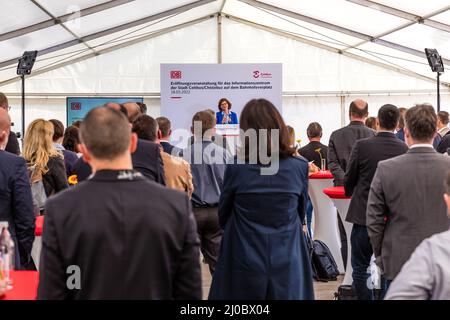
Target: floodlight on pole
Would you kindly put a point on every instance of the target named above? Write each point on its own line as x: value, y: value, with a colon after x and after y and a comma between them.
x: 24, y: 67
x: 435, y: 62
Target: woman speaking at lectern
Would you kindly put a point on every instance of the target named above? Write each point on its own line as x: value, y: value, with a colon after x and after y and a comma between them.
x: 225, y: 116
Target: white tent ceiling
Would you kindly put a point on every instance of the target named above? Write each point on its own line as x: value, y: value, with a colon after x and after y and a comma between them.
x: 389, y: 33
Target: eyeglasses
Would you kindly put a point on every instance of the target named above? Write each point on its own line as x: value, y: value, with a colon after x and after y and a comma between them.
x: 7, y: 108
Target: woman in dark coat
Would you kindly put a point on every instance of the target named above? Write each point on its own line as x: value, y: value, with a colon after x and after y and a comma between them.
x: 263, y: 253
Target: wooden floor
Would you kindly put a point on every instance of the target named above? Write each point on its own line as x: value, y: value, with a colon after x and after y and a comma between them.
x: 322, y: 290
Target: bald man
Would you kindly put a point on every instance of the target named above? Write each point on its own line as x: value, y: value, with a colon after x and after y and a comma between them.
x: 13, y: 143
x: 16, y: 203
x: 116, y: 106
x: 340, y: 146
x: 113, y: 105
x: 133, y: 109
x: 342, y: 140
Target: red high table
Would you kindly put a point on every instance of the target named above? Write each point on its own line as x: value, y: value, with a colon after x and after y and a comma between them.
x: 325, y: 216
x: 341, y: 202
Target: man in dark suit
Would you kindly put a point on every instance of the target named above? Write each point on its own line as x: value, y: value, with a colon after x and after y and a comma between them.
x: 16, y: 202
x: 361, y: 168
x: 13, y: 144
x: 314, y: 150
x: 405, y: 201
x: 339, y: 147
x: 342, y: 140
x: 165, y: 126
x: 177, y: 172
x: 147, y: 160
x: 118, y: 235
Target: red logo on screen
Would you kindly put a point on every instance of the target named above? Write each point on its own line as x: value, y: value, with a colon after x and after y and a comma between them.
x: 175, y: 74
x: 75, y: 106
x: 256, y: 74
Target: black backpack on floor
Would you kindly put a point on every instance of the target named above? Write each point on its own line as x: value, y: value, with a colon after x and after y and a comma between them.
x: 323, y: 265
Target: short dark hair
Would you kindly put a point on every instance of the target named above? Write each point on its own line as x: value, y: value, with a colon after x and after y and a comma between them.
x: 105, y: 132
x: 164, y: 125
x: 314, y: 130
x: 356, y: 111
x: 421, y: 121
x: 71, y: 138
x: 143, y: 107
x: 447, y: 184
x: 206, y: 118
x: 388, y: 116
x: 261, y: 114
x: 443, y: 117
x: 145, y: 127
x: 58, y: 129
x: 222, y: 100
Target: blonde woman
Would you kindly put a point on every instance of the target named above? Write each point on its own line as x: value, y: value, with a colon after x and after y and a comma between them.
x: 41, y: 155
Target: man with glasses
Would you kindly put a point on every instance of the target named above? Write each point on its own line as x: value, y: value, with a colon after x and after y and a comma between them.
x: 13, y: 143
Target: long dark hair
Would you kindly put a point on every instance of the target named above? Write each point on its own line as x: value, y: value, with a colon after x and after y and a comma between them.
x: 261, y: 114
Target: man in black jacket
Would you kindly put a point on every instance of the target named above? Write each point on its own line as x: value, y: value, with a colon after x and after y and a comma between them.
x: 314, y: 150
x: 16, y: 203
x: 342, y: 140
x: 361, y: 168
x: 118, y: 235
x: 339, y: 148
